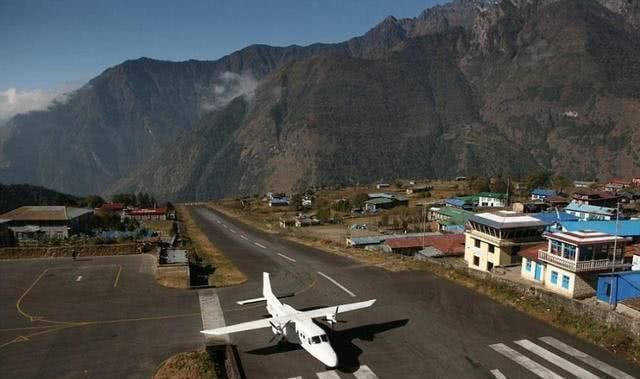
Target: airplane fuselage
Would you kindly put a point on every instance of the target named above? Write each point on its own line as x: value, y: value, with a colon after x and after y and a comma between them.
x: 304, y: 332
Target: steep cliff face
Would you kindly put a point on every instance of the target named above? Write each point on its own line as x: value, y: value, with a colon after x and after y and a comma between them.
x: 470, y: 87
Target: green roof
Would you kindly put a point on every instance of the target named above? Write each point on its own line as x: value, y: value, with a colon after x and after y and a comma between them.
x: 456, y: 216
x: 494, y: 195
x: 468, y: 199
x: 379, y: 200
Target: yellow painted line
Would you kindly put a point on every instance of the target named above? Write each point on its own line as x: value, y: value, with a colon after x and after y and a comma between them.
x: 19, y: 302
x: 28, y: 328
x: 27, y: 337
x: 151, y: 318
x: 115, y: 283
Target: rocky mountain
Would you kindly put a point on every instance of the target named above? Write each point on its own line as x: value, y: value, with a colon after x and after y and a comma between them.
x: 470, y: 87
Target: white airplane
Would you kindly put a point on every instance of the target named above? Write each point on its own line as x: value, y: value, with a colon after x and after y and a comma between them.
x: 294, y: 326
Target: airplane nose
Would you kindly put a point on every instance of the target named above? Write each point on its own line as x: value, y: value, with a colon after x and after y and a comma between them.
x: 330, y: 360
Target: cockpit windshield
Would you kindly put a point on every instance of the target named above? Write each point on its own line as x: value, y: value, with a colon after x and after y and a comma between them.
x: 315, y: 339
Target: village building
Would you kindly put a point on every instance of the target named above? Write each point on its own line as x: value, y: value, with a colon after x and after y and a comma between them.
x: 569, y: 262
x: 421, y: 189
x: 451, y: 245
x: 615, y: 287
x: 583, y: 183
x: 624, y: 228
x: 147, y: 213
x: 494, y: 239
x: 467, y: 203
x: 47, y: 222
x: 600, y: 199
x: 556, y: 201
x: 110, y: 209
x: 542, y: 193
x: 449, y: 219
x: 384, y: 200
x: 492, y: 199
x: 586, y: 212
x: 6, y: 235
x: 615, y: 185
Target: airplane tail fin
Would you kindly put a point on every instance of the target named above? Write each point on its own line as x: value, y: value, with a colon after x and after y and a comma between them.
x: 266, y: 286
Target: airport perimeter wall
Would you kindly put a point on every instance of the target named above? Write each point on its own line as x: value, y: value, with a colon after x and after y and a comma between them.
x: 67, y: 251
x: 572, y: 306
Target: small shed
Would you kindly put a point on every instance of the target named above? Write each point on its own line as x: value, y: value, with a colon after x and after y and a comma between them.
x: 618, y: 286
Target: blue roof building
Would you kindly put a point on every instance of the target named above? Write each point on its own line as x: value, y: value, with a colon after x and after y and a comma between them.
x: 618, y: 286
x: 542, y: 193
x: 552, y: 217
x: 626, y: 228
x: 587, y: 212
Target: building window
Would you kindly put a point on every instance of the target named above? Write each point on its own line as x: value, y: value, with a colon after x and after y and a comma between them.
x: 554, y: 277
x: 569, y: 252
x: 492, y: 248
x: 565, y: 282
x: 607, y: 289
x: 477, y: 243
x: 476, y: 261
x: 556, y: 247
x: 528, y: 266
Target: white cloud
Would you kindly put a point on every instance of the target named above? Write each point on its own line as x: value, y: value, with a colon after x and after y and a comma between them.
x: 15, y: 101
x: 227, y: 87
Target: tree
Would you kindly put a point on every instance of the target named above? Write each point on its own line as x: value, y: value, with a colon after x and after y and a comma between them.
x: 498, y: 185
x: 480, y: 184
x: 323, y: 214
x: 359, y: 200
x: 93, y: 201
x: 538, y: 179
x: 560, y: 183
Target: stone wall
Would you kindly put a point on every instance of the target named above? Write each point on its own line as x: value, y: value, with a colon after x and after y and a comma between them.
x: 67, y: 251
x: 572, y: 306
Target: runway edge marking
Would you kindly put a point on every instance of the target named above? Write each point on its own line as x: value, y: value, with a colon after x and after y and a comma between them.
x: 556, y: 359
x: 525, y: 362
x: 211, y: 313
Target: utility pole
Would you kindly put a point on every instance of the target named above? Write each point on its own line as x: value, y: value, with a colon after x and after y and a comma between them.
x: 615, y: 251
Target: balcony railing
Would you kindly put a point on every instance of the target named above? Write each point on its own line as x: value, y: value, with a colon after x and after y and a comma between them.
x: 570, y: 265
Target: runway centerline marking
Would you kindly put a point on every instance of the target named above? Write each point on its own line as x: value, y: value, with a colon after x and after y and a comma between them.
x: 115, y: 282
x: 244, y: 237
x: 586, y: 358
x: 232, y: 231
x: 497, y: 374
x: 337, y: 284
x: 79, y: 278
x: 260, y: 245
x: 531, y: 365
x: 556, y: 359
x: 287, y: 258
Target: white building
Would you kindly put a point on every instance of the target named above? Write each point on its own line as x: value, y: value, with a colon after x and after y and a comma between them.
x: 492, y: 199
x: 495, y: 239
x: 570, y: 262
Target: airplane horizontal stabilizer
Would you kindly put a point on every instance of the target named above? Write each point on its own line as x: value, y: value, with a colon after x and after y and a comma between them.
x: 251, y: 301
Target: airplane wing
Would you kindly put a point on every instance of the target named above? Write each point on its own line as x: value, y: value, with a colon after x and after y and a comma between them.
x: 298, y: 316
x: 250, y: 325
x: 330, y: 311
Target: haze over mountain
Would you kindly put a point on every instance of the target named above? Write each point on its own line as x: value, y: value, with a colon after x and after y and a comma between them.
x: 471, y: 87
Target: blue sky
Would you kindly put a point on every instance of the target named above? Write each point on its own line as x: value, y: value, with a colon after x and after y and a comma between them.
x: 49, y: 44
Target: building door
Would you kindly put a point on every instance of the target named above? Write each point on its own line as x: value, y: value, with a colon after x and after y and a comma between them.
x: 538, y: 272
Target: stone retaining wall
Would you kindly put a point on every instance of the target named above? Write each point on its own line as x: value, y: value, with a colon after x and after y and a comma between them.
x: 67, y: 251
x: 574, y: 307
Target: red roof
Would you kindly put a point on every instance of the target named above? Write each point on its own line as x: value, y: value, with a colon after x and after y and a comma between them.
x: 112, y: 206
x: 632, y: 250
x: 448, y: 244
x: 148, y: 211
x: 531, y: 252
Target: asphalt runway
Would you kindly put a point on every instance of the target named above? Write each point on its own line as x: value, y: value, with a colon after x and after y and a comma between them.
x: 98, y: 317
x: 421, y: 326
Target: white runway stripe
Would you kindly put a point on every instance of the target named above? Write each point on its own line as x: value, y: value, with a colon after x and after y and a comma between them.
x: 525, y: 362
x: 586, y: 358
x: 296, y: 377
x: 337, y: 284
x: 259, y: 245
x: 497, y: 374
x: 79, y: 278
x: 364, y: 372
x: 286, y: 257
x: 327, y: 375
x: 232, y: 231
x: 244, y: 237
x: 556, y: 360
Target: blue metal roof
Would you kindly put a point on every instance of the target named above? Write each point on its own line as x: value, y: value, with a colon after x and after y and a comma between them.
x: 544, y: 192
x: 456, y: 202
x: 575, y: 207
x: 626, y: 228
x: 552, y: 217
